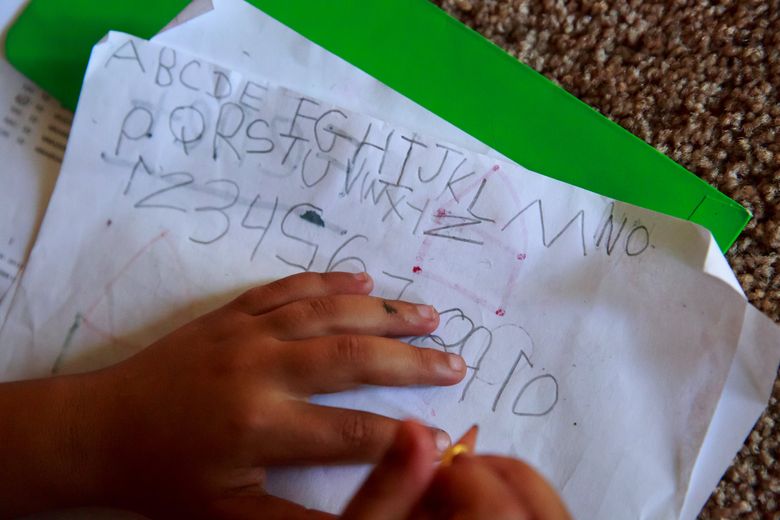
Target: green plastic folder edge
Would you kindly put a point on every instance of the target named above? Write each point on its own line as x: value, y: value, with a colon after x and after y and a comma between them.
x: 420, y: 51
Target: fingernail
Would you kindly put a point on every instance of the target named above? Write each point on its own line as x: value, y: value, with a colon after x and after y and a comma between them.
x: 442, y: 441
x: 362, y: 277
x: 452, y: 368
x: 427, y: 312
x: 457, y: 364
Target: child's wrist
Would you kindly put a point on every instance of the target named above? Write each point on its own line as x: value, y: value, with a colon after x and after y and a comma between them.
x: 53, y: 453
x: 76, y: 423
x: 89, y: 439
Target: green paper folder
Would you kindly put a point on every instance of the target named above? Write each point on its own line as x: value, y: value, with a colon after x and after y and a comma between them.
x: 420, y: 51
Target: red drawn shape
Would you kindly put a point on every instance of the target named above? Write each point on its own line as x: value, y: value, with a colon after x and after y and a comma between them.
x: 521, y: 256
x: 417, y: 269
x: 500, y: 312
x: 441, y: 212
x: 495, y: 167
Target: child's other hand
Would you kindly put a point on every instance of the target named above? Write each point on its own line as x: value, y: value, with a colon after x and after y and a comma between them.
x: 405, y: 485
x: 191, y: 422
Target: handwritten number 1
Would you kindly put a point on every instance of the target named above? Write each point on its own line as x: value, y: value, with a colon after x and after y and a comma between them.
x: 140, y: 164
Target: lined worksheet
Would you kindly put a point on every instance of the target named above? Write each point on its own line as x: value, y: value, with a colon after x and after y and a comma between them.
x: 34, y: 131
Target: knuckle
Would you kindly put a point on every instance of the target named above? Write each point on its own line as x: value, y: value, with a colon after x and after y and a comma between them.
x: 274, y: 289
x: 318, y: 279
x: 322, y: 308
x: 424, y: 358
x: 250, y: 296
x: 246, y: 421
x: 231, y: 362
x: 356, y: 430
x: 350, y: 350
x: 310, y: 279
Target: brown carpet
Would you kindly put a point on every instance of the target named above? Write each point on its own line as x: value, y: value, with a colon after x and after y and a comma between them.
x: 700, y: 81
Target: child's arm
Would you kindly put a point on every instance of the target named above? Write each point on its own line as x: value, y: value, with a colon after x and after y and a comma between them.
x: 52, y: 450
x: 185, y: 427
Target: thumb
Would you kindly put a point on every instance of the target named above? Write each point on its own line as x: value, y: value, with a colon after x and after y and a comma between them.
x: 267, y: 507
x: 400, y: 479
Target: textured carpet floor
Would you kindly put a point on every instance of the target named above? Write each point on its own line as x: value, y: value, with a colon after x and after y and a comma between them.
x: 700, y: 81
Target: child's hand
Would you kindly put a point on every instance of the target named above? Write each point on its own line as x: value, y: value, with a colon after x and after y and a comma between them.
x: 407, y: 486
x: 185, y: 428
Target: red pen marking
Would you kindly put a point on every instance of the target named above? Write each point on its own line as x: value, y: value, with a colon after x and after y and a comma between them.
x: 422, y: 253
x: 172, y: 246
x: 107, y: 335
x: 509, y: 187
x: 426, y: 244
x: 521, y: 256
x: 479, y: 300
x: 123, y: 270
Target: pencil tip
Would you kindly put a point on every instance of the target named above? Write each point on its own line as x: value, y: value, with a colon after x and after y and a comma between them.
x: 470, y: 437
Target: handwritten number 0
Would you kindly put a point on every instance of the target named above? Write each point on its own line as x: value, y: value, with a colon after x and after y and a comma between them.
x: 526, y: 386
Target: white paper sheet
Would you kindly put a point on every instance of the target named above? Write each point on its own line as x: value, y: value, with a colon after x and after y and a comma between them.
x: 33, y: 134
x: 253, y: 42
x: 598, y: 348
x: 8, y: 10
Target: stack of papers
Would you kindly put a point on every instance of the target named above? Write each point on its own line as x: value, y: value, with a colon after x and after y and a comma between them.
x: 608, y: 345
x: 33, y: 135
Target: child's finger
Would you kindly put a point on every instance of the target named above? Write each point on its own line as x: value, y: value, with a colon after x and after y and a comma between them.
x: 327, y: 435
x: 468, y: 488
x: 337, y: 363
x: 349, y: 314
x: 267, y: 297
x: 532, y: 489
x: 265, y: 507
x: 399, y: 480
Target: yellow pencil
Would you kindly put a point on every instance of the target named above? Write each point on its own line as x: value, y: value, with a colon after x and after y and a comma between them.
x: 466, y: 444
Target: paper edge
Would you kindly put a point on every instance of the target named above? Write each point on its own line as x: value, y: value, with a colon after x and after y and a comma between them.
x: 193, y: 10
